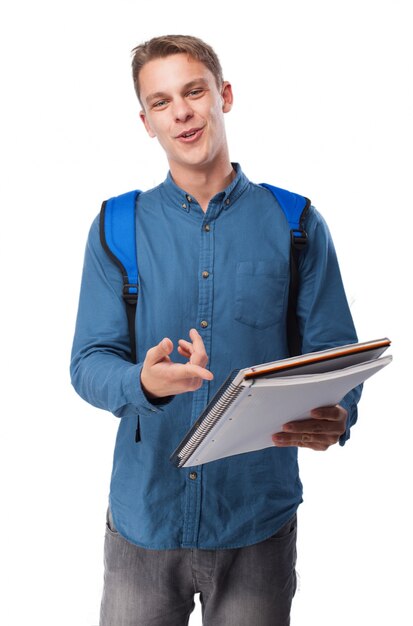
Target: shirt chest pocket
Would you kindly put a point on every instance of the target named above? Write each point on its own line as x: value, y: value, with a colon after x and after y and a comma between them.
x: 260, y: 292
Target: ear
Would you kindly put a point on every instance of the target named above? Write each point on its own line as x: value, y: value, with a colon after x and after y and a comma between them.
x: 144, y: 119
x: 227, y: 96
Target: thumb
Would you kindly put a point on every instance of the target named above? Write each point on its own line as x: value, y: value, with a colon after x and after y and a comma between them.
x: 160, y: 351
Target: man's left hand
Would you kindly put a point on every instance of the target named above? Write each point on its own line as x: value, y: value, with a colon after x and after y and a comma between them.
x: 322, y: 430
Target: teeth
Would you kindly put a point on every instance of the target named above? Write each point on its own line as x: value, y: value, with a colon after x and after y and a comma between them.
x: 189, y: 134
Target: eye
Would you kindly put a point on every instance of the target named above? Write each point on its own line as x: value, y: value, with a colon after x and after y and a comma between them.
x: 195, y: 93
x: 159, y: 104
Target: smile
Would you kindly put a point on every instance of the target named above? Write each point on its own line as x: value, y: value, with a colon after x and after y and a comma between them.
x: 190, y: 135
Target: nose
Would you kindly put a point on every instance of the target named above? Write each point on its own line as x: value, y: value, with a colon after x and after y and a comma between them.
x: 182, y: 110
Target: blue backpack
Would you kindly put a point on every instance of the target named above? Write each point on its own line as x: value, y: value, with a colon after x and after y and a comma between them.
x: 118, y: 237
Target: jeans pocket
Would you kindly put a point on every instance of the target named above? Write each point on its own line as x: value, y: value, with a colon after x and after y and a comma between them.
x: 110, y: 526
x: 260, y: 292
x: 288, y: 529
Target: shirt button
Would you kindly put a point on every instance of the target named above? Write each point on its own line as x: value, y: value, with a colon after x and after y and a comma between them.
x: 193, y: 475
x: 189, y: 198
x: 207, y: 228
x: 184, y: 205
x: 205, y: 274
x: 227, y: 201
x: 204, y: 324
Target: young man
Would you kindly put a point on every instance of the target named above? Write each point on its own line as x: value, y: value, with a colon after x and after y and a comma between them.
x: 213, y: 256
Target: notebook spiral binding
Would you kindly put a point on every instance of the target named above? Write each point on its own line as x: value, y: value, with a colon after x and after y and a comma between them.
x: 207, y: 421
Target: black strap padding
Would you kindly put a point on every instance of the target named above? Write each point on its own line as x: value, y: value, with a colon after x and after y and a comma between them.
x: 297, y: 244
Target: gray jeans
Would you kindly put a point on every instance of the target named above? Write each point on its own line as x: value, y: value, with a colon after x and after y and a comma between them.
x: 252, y: 586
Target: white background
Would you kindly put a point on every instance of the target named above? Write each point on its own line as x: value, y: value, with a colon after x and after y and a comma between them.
x: 323, y: 104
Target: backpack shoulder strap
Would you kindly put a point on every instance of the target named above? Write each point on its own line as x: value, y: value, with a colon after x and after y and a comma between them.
x: 118, y: 238
x: 295, y: 209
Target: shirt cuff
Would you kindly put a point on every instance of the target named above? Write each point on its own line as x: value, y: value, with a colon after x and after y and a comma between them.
x: 351, y: 408
x: 137, y: 395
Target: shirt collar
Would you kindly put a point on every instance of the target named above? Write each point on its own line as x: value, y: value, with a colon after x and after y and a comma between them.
x: 226, y: 197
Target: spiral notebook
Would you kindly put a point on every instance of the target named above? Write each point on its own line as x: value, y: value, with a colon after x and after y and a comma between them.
x: 254, y: 402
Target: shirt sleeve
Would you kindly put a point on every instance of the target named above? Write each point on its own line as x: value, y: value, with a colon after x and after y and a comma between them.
x: 324, y: 315
x: 101, y: 369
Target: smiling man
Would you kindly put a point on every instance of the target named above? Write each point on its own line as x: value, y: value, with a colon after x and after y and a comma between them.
x: 187, y: 118
x: 213, y: 253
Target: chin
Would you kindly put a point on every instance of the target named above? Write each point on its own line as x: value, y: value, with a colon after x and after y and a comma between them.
x: 195, y: 162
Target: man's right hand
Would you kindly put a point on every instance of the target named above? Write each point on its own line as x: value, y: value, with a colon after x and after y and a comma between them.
x: 161, y: 377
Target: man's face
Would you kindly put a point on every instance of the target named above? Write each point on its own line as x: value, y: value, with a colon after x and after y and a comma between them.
x: 184, y: 109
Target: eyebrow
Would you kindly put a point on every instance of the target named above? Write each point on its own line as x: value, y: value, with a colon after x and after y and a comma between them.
x: 197, y: 82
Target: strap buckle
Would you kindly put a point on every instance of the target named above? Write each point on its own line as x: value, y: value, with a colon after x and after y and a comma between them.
x: 130, y: 292
x: 299, y: 238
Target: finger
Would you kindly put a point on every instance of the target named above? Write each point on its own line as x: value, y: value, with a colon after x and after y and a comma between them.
x: 336, y: 412
x: 184, y: 352
x: 314, y: 426
x: 191, y: 370
x: 185, y: 346
x: 160, y: 352
x: 197, y: 341
x: 198, y: 355
x: 305, y: 440
x: 195, y: 336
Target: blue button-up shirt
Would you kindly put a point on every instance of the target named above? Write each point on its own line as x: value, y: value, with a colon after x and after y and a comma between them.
x: 225, y: 272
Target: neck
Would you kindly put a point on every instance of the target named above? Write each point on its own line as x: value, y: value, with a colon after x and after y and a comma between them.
x: 203, y: 183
